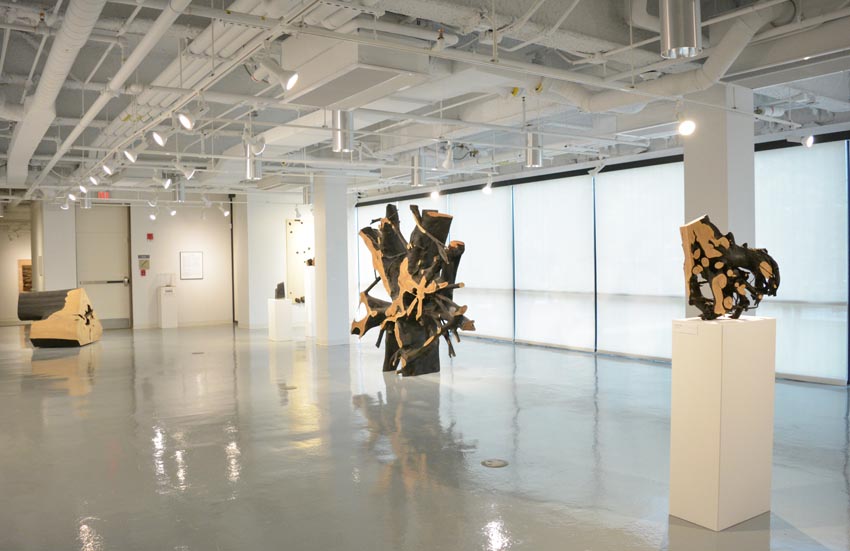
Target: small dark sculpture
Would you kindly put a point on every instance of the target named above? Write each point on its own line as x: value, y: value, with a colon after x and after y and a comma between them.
x: 738, y: 277
x: 280, y: 291
x: 420, y: 278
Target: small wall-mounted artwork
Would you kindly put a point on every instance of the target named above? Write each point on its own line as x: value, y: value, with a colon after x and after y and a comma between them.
x: 24, y: 276
x: 735, y: 277
x: 191, y: 265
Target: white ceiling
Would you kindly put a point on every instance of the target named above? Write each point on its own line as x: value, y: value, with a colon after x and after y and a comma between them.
x: 410, y: 94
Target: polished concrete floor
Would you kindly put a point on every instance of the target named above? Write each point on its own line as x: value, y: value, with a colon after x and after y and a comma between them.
x: 215, y: 439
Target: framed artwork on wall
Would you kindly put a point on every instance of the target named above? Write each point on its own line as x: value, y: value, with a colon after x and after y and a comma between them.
x: 24, y: 276
x: 191, y: 265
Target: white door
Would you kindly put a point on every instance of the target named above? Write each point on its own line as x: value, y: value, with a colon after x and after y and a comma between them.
x: 103, y: 262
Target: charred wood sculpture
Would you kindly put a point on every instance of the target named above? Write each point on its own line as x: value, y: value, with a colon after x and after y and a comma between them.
x: 737, y: 276
x: 61, y: 318
x: 419, y: 276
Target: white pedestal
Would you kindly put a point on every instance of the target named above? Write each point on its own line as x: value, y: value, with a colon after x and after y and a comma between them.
x: 168, y: 310
x: 721, y: 433
x: 310, y: 301
x: 280, y: 320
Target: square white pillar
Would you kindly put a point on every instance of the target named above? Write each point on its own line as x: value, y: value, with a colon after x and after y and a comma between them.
x: 721, y: 429
x: 720, y: 159
x: 330, y: 215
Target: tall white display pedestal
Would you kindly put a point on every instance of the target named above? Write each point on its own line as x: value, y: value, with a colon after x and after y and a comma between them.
x: 721, y: 433
x: 310, y: 301
x: 280, y: 320
x: 168, y: 312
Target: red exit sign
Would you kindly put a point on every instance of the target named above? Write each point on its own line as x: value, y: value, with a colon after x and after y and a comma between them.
x: 103, y: 195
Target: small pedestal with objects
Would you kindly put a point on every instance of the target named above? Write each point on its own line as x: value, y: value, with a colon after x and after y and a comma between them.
x: 721, y: 433
x: 280, y: 320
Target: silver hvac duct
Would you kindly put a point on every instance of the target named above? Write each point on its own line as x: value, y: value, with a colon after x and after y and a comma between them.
x: 416, y: 176
x: 342, y: 137
x: 533, y: 154
x: 681, y: 34
x: 253, y: 164
x: 180, y: 192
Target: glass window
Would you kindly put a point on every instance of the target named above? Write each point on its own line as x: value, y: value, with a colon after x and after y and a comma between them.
x: 553, y: 229
x: 801, y: 219
x: 639, y: 258
x: 483, y: 223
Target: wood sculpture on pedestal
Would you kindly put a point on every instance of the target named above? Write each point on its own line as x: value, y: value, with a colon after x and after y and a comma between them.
x: 738, y: 277
x: 419, y: 276
x: 62, y: 318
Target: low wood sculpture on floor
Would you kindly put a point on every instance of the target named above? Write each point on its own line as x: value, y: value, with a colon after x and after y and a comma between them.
x: 419, y: 276
x: 61, y: 318
x: 738, y: 277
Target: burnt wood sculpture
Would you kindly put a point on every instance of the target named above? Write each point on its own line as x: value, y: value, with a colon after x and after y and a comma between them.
x: 419, y: 276
x: 737, y: 276
x: 60, y: 318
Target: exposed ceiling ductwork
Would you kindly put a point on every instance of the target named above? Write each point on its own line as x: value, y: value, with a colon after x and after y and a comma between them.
x: 40, y: 109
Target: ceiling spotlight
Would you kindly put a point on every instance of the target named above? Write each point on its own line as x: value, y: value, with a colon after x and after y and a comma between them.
x: 287, y: 79
x: 256, y: 143
x: 72, y: 197
x: 108, y: 169
x: 173, y: 212
x: 187, y: 171
x: 65, y: 205
x: 152, y: 202
x: 86, y: 203
x: 164, y: 182
x: 159, y: 138
x: 224, y: 211
x: 808, y: 141
x: 435, y: 194
x: 488, y: 189
x: 189, y: 117
x: 152, y: 216
x: 131, y: 154
x: 686, y: 127
x: 94, y: 180
x: 449, y: 162
x: 83, y: 189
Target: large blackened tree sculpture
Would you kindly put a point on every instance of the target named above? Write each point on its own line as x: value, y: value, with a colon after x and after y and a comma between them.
x: 419, y: 276
x: 738, y: 277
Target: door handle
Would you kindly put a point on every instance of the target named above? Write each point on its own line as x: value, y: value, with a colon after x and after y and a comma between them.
x: 125, y: 281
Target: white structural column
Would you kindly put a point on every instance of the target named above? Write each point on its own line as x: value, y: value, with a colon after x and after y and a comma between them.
x: 720, y: 161
x: 330, y: 214
x: 54, y: 247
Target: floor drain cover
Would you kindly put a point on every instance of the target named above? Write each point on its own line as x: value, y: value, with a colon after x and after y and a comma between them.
x: 495, y: 463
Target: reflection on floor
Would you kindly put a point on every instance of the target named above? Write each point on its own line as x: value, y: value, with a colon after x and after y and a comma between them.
x: 210, y: 438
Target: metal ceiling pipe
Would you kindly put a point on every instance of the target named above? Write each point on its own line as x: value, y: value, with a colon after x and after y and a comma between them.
x: 723, y: 55
x: 157, y: 31
x: 681, y: 28
x: 533, y: 153
x: 342, y: 137
x: 40, y: 108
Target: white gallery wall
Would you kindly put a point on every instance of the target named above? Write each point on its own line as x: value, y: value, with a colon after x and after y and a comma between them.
x: 259, y: 248
x: 207, y: 301
x: 14, y: 246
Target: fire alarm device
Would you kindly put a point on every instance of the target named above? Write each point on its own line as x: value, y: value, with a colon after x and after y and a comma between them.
x: 150, y: 237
